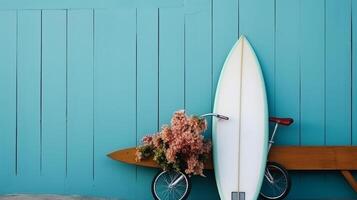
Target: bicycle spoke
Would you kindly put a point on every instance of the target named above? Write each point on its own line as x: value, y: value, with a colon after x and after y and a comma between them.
x: 281, y: 179
x: 171, y: 176
x: 176, y: 176
x: 173, y: 193
x: 166, y: 180
x: 178, y: 194
x: 166, y: 194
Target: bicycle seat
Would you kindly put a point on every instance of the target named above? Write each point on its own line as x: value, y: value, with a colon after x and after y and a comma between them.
x: 282, y: 121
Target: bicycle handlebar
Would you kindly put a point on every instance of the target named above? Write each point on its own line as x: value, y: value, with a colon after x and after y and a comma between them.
x: 216, y: 115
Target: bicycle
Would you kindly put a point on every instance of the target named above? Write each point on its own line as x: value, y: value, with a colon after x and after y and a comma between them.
x: 276, y: 183
x: 176, y: 185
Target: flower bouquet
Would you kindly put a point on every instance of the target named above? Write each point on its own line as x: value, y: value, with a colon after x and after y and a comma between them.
x: 180, y: 146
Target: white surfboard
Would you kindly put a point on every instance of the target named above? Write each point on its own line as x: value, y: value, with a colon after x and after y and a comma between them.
x: 240, y: 143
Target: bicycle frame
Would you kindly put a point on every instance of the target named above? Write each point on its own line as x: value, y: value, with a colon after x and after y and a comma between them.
x: 267, y: 174
x: 271, y: 140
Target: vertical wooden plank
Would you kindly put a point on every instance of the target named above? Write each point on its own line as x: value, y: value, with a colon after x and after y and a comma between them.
x: 80, y: 101
x: 147, y: 88
x: 198, y: 78
x: 312, y: 72
x: 171, y: 62
x: 8, y: 23
x: 29, y: 72
x: 53, y: 100
x: 198, y: 59
x: 224, y: 34
x: 114, y: 100
x: 354, y: 73
x: 257, y: 23
x: 338, y: 69
x: 312, y: 57
x: 287, y: 80
x: 338, y: 86
x: 198, y: 66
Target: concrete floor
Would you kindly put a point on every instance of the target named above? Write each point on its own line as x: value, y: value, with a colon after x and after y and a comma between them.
x: 47, y: 197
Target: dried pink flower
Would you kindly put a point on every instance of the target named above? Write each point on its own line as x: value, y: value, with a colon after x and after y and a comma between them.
x: 147, y: 140
x: 194, y: 166
x: 166, y: 134
x: 139, y: 156
x: 156, y: 140
x: 182, y: 142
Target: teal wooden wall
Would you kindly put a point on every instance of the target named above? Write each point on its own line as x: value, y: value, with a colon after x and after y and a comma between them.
x: 79, y: 79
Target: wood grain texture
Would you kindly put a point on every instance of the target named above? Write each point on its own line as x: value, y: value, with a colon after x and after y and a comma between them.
x: 338, y: 72
x: 128, y: 156
x: 8, y: 105
x: 29, y: 86
x: 114, y: 98
x: 54, y: 97
x: 171, y: 63
x: 319, y: 158
x: 312, y: 89
x: 315, y: 157
x: 350, y: 179
x: 354, y: 73
x: 80, y: 101
x: 312, y: 67
x: 291, y: 157
x: 287, y: 80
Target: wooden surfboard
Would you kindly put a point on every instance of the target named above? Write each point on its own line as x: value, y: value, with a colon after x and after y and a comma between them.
x: 128, y: 156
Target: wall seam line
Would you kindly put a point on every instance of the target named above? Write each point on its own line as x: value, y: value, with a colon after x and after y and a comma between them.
x: 158, y: 69
x: 274, y: 82
x: 300, y: 75
x: 184, y: 61
x: 351, y: 73
x: 212, y: 95
x: 66, y: 169
x: 41, y: 92
x: 17, y: 94
x: 211, y: 79
x: 136, y: 86
x: 93, y: 93
x: 325, y: 44
x: 238, y: 18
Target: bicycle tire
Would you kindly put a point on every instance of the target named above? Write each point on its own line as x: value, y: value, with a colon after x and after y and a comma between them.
x: 280, y: 169
x: 160, y: 173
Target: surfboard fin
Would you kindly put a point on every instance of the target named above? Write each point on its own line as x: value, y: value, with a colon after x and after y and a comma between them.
x: 238, y: 196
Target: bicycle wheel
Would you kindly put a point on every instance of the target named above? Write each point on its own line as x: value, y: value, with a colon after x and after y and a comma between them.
x: 276, y: 183
x: 170, y: 185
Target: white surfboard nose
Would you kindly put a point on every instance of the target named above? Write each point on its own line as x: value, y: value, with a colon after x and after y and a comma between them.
x: 242, y: 37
